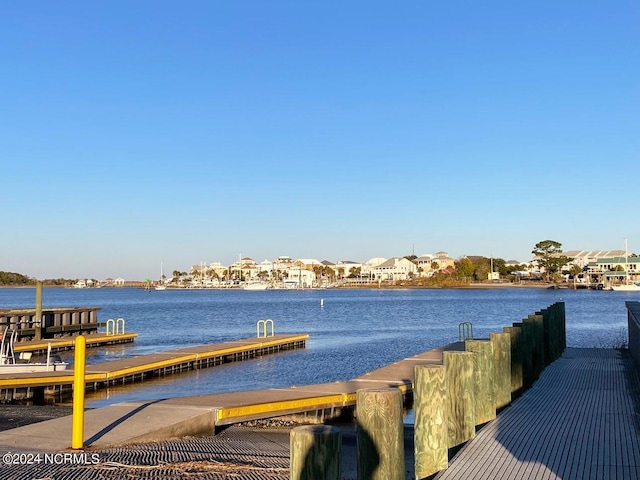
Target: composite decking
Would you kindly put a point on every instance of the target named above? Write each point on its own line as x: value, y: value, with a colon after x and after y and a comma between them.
x: 578, y: 421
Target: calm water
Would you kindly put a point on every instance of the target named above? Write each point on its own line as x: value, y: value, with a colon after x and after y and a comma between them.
x: 355, y: 331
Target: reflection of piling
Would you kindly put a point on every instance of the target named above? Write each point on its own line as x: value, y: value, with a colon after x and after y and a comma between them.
x: 316, y: 453
x: 380, y: 434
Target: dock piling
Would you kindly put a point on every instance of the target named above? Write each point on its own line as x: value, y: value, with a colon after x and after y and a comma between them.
x: 461, y: 410
x: 315, y: 453
x: 380, y: 434
x: 430, y: 420
x: 483, y: 380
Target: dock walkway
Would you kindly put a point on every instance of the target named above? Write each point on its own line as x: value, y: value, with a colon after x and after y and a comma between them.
x: 580, y: 420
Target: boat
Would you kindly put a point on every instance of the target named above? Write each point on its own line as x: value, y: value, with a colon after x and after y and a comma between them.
x: 255, y: 286
x: 627, y: 286
x: 22, y: 364
x: 161, y: 285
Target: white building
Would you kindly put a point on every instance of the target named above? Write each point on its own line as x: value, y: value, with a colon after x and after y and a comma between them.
x: 396, y: 268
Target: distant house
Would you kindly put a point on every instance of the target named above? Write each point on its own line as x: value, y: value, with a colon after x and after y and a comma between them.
x: 119, y: 282
x: 396, y: 268
x: 307, y: 263
x: 443, y: 260
x: 425, y: 264
x: 584, y: 258
x: 369, y: 266
x: 298, y: 277
x: 345, y: 267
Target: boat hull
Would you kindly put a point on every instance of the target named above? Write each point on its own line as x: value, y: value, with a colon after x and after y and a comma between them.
x: 10, y: 368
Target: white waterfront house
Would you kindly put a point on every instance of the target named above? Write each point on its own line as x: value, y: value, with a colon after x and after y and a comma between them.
x: 396, y: 268
x: 298, y: 277
x: 369, y: 266
x: 346, y: 267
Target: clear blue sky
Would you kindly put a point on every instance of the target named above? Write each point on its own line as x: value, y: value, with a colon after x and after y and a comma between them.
x: 135, y: 133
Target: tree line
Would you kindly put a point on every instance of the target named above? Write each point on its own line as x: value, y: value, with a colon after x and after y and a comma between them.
x: 12, y: 279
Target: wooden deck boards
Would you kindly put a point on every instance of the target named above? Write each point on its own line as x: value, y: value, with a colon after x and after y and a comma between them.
x: 579, y: 421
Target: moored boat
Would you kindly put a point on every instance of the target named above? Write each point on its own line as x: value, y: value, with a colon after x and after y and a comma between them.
x: 10, y: 364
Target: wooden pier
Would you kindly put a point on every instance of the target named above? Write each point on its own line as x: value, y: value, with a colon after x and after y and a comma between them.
x: 53, y: 322
x: 58, y: 385
x: 66, y: 343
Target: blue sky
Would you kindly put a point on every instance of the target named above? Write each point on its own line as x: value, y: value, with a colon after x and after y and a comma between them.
x: 135, y: 133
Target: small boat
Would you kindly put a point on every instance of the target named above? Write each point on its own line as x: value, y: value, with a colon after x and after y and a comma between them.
x: 161, y: 285
x: 10, y: 364
x: 255, y: 286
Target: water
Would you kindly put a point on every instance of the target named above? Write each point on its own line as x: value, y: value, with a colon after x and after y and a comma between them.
x: 353, y: 332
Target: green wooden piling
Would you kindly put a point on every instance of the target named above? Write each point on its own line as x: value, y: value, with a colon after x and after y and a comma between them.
x: 517, y: 376
x: 430, y: 424
x: 461, y: 414
x: 380, y: 434
x: 501, y: 368
x: 315, y: 453
x: 538, y: 343
x: 483, y: 379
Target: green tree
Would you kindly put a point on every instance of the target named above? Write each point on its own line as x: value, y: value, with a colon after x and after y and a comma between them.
x: 464, y: 267
x: 575, y: 270
x: 482, y: 269
x: 548, y: 256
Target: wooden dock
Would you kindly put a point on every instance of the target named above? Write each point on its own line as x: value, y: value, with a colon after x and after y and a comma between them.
x: 33, y: 324
x: 139, y: 368
x: 67, y: 343
x: 580, y: 420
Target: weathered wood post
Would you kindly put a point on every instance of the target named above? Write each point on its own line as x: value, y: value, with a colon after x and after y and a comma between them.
x: 501, y: 368
x: 517, y: 379
x: 538, y: 343
x: 380, y: 434
x: 461, y: 413
x: 527, y: 341
x: 315, y: 453
x: 483, y: 379
x: 563, y: 320
x: 38, y: 319
x: 430, y: 423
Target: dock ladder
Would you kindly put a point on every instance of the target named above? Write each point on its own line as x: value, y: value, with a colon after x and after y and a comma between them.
x: 465, y: 331
x: 113, y: 326
x: 262, y: 328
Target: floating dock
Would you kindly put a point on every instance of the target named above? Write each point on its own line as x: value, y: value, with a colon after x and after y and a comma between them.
x: 58, y: 385
x: 61, y: 344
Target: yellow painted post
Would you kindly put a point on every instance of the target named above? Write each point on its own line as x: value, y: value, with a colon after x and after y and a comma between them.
x: 77, y: 430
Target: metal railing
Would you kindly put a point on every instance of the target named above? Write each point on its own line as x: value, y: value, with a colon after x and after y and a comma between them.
x: 114, y: 326
x: 262, y: 328
x: 465, y: 331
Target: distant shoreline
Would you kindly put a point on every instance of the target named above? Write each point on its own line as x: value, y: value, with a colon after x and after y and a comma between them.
x: 371, y: 286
